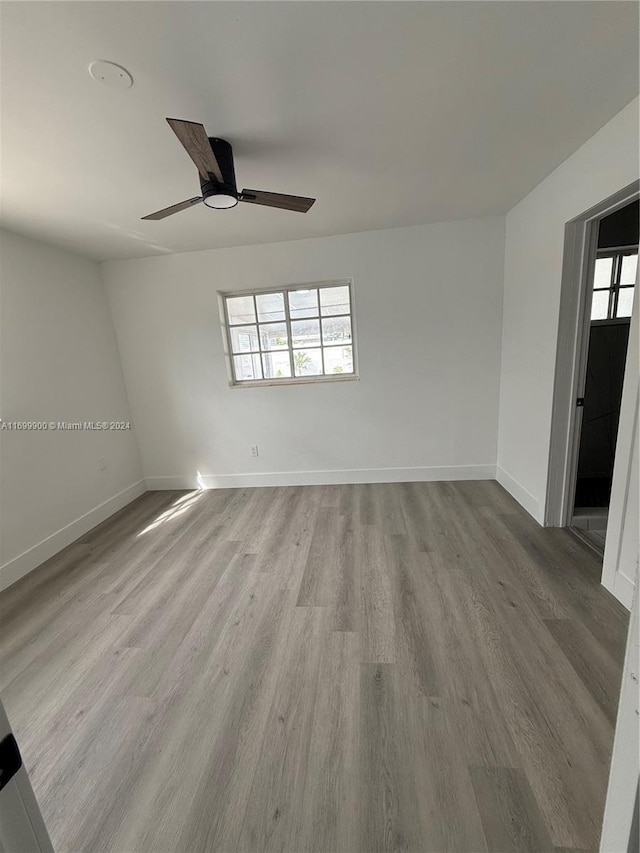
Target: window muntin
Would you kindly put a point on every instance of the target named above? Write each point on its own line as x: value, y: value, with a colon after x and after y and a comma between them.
x: 613, y: 284
x: 299, y: 333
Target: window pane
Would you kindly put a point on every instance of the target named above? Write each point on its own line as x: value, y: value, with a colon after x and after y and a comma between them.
x: 600, y: 305
x: 244, y: 339
x: 301, y: 333
x: 240, y: 310
x: 270, y: 307
x: 602, y: 277
x: 625, y: 302
x: 338, y: 360
x: 307, y: 362
x: 336, y: 330
x: 334, y: 300
x: 273, y: 336
x: 247, y: 367
x: 305, y: 333
x: 303, y: 303
x: 276, y: 364
x: 629, y: 267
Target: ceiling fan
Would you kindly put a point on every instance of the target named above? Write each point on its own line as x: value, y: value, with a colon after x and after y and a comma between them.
x: 214, y: 160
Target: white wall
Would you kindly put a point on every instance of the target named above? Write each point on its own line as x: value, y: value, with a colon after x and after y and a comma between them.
x: 533, y: 266
x: 428, y: 307
x: 59, y: 362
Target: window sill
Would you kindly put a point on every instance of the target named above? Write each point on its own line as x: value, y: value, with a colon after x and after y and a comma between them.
x: 312, y: 380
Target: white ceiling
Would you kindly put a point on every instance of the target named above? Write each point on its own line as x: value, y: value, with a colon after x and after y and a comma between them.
x: 388, y: 113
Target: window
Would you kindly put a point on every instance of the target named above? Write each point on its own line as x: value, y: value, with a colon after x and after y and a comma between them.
x: 293, y: 334
x: 613, y: 282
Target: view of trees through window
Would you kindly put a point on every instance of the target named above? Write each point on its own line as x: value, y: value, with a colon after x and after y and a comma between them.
x: 613, y: 284
x: 299, y: 332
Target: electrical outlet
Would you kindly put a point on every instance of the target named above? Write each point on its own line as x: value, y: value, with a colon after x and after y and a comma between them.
x: 253, y: 450
x: 102, y: 464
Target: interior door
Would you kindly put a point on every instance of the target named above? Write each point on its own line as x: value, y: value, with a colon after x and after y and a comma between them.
x: 22, y: 828
x: 623, y: 532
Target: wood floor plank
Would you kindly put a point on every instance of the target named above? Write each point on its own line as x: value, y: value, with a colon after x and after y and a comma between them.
x: 423, y: 533
x: 382, y: 813
x: 591, y: 662
x: 510, y: 815
x: 573, y: 850
x: 478, y: 720
x: 415, y: 639
x: 390, y: 512
x: 346, y: 599
x: 317, y: 585
x: 285, y: 551
x: 279, y: 798
x: 368, y: 509
x: 452, y: 817
x: 215, y: 814
x: 521, y: 570
x: 326, y: 669
x: 330, y: 809
x: 376, y: 599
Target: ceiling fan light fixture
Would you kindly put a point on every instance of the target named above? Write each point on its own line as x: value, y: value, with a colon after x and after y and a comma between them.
x: 220, y: 201
x: 213, y: 157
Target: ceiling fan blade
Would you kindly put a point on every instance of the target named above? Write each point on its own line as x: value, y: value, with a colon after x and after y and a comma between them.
x: 175, y: 208
x: 196, y: 143
x: 286, y: 202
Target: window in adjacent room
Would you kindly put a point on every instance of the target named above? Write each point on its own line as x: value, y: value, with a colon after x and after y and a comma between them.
x: 299, y: 333
x: 613, y: 283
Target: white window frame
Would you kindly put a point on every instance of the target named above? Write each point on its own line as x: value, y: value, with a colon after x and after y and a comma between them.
x: 223, y: 295
x: 616, y: 253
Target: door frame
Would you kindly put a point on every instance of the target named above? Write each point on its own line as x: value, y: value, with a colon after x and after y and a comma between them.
x: 580, y: 246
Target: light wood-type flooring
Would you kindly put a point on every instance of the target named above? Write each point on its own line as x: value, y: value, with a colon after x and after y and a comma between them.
x: 403, y: 667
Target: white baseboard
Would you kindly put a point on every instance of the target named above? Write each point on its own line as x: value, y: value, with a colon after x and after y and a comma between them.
x: 525, y: 498
x: 322, y: 478
x: 622, y: 589
x: 24, y: 563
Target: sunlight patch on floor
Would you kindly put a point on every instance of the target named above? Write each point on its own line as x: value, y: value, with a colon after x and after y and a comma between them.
x: 177, y: 509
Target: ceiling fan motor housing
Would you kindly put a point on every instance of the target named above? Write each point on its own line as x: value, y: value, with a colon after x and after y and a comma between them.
x: 224, y: 155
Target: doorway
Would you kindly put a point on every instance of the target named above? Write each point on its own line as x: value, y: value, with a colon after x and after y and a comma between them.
x: 619, y: 525
x: 612, y: 290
